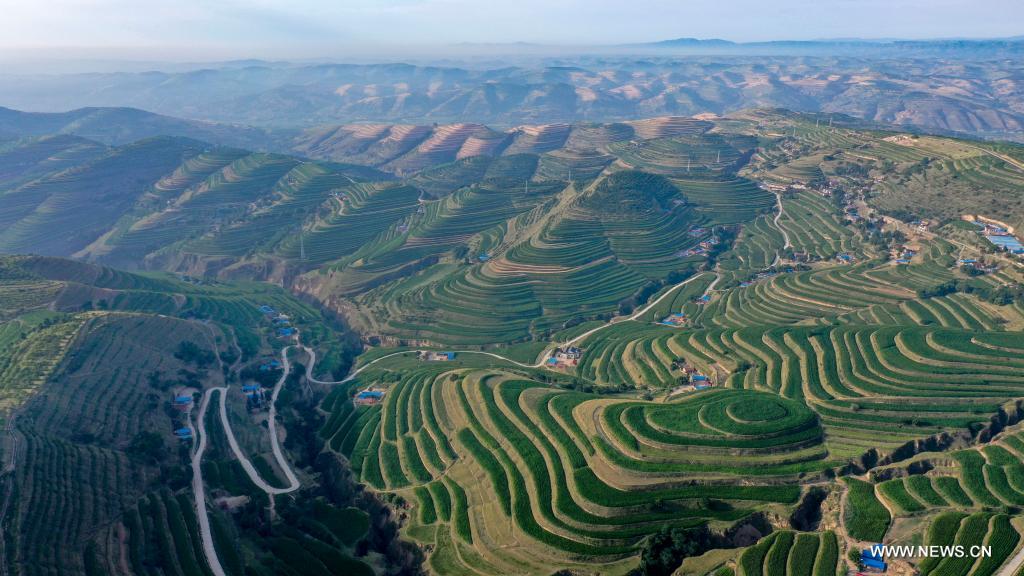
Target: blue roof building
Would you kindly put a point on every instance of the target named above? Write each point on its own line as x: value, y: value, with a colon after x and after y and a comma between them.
x: 873, y: 564
x: 369, y: 397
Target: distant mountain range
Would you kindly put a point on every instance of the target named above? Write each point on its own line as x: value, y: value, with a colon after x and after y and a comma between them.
x: 888, y: 47
x: 975, y: 95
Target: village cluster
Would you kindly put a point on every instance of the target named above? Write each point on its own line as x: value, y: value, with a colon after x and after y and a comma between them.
x: 255, y: 394
x: 281, y: 322
x: 703, y: 247
x: 692, y: 379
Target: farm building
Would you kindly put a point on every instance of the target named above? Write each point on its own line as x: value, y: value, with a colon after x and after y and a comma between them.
x: 430, y: 356
x: 182, y: 402
x: 285, y: 332
x: 676, y: 320
x: 872, y: 559
x: 572, y: 353
x: 1006, y: 242
x: 268, y: 366
x: 266, y: 309
x: 254, y: 396
x: 369, y: 397
x: 183, y: 433
x: 561, y: 357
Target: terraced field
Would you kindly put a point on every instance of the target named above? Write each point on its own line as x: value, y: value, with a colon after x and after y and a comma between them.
x: 585, y: 476
x: 789, y: 553
x: 74, y: 471
x: 767, y: 366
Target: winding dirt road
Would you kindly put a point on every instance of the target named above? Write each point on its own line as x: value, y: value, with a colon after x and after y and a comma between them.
x: 199, y: 488
x: 642, y: 311
x: 785, y: 235
x: 293, y: 482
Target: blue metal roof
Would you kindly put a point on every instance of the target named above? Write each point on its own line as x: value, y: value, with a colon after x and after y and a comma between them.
x: 876, y: 564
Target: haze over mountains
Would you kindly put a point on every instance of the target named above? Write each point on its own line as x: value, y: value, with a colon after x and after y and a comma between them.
x: 915, y: 84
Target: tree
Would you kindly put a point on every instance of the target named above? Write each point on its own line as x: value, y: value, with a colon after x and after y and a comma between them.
x: 665, y: 551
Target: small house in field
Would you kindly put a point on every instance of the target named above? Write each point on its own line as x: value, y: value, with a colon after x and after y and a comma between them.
x: 285, y: 332
x: 709, y: 243
x: 675, y: 320
x: 368, y: 397
x: 872, y: 559
x: 183, y: 433
x: 266, y: 309
x: 438, y: 356
x: 568, y: 356
x: 182, y: 402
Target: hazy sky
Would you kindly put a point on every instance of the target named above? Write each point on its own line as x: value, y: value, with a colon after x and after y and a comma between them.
x: 329, y: 28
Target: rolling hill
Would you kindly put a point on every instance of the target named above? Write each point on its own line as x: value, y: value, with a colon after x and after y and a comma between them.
x: 969, y: 87
x: 766, y: 340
